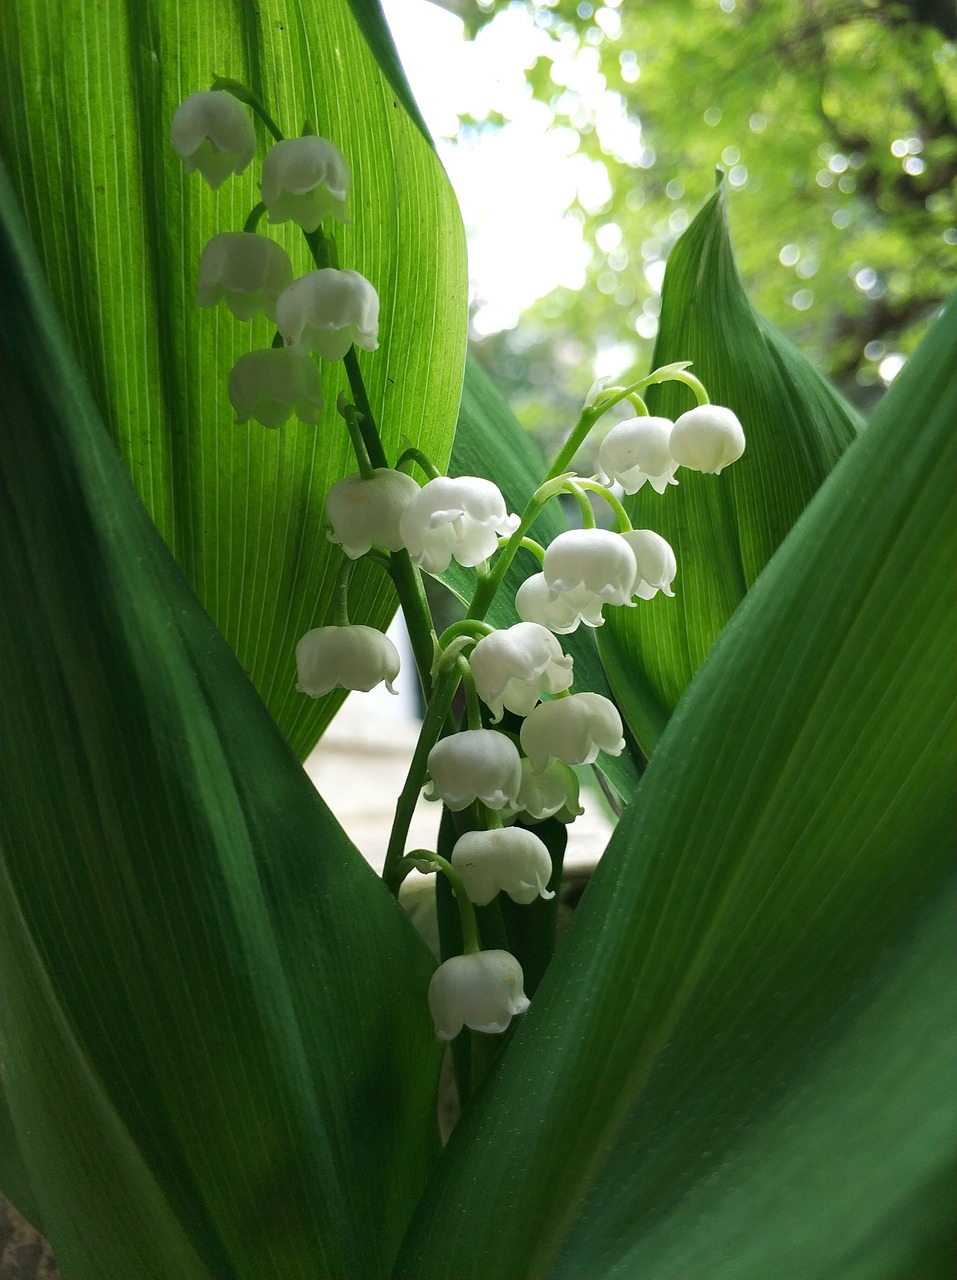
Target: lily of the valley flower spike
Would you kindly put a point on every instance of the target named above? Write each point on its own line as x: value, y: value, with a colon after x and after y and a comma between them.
x: 512, y: 668
x: 508, y: 859
x: 475, y: 764
x: 708, y: 438
x: 656, y: 563
x: 304, y: 180
x: 246, y: 271
x: 212, y: 131
x: 638, y: 450
x: 366, y: 513
x: 573, y: 729
x: 350, y: 657
x: 461, y: 517
x: 272, y: 384
x: 483, y: 990
x: 328, y: 311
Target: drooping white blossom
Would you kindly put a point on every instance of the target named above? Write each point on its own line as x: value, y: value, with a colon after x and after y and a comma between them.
x: 327, y: 311
x: 573, y: 729
x: 508, y: 859
x: 350, y: 657
x: 272, y: 384
x: 304, y: 180
x: 553, y: 793
x: 366, y: 513
x: 638, y: 450
x: 708, y: 438
x: 535, y: 602
x: 513, y: 667
x: 483, y: 990
x: 212, y: 132
x: 246, y: 271
x: 461, y: 516
x: 590, y: 568
x: 656, y: 563
x: 475, y: 764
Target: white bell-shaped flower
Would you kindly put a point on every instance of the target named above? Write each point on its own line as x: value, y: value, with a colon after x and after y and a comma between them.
x: 475, y: 764
x: 273, y: 384
x: 590, y: 568
x: 573, y: 729
x: 637, y: 450
x: 536, y: 602
x: 351, y: 657
x: 327, y: 311
x: 212, y: 131
x: 366, y: 513
x: 514, y: 667
x: 708, y: 438
x: 553, y: 793
x: 246, y: 271
x: 459, y: 516
x: 483, y: 990
x: 508, y: 859
x: 656, y: 563
x: 304, y: 180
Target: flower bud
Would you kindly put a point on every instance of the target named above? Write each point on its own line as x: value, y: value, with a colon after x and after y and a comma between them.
x: 461, y: 517
x: 304, y: 179
x: 246, y: 271
x: 328, y: 311
x: 573, y: 729
x: 707, y: 439
x: 656, y: 563
x: 212, y: 132
x: 483, y: 990
x: 366, y: 513
x: 508, y: 859
x: 534, y: 602
x: 637, y: 450
x: 352, y: 657
x: 553, y: 793
x: 475, y: 764
x: 270, y: 385
x: 514, y: 667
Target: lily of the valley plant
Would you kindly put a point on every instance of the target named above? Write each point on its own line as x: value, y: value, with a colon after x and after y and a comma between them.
x: 237, y: 438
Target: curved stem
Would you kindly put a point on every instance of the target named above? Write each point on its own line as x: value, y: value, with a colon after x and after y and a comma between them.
x: 470, y: 934
x: 473, y: 708
x: 252, y: 222
x: 435, y: 716
x: 340, y: 607
x: 246, y: 95
x: 594, y: 486
x: 411, y: 455
x: 348, y: 414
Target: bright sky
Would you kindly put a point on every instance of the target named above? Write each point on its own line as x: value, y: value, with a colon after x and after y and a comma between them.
x: 513, y: 183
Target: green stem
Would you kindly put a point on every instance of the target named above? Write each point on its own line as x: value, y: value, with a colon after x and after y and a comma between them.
x: 418, y: 617
x: 577, y: 489
x: 348, y: 413
x: 435, y: 716
x: 624, y: 522
x: 246, y: 95
x: 473, y: 708
x: 252, y: 222
x: 340, y: 605
x: 425, y: 462
x: 470, y: 934
x: 471, y: 627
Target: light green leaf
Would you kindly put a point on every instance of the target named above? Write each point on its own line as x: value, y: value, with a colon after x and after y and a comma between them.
x: 120, y: 229
x: 216, y: 1047
x: 739, y: 1064
x: 723, y: 528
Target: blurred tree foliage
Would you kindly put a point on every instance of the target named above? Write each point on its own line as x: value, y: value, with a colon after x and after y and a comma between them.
x: 836, y: 124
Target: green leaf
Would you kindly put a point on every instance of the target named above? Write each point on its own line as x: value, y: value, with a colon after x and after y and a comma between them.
x: 216, y: 1047
x: 739, y: 1064
x: 490, y: 442
x: 723, y: 528
x: 120, y: 229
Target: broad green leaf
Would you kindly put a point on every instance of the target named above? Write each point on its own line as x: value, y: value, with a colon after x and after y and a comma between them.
x: 87, y: 92
x: 739, y: 1064
x: 216, y: 1047
x: 490, y: 442
x: 723, y: 528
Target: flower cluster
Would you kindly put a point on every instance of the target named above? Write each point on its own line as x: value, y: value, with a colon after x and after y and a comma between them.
x: 496, y: 782
x: 323, y: 313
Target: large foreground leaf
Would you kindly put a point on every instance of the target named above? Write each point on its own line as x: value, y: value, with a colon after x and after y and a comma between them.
x: 216, y: 1049
x: 87, y: 92
x: 723, y: 528
x: 739, y: 1064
